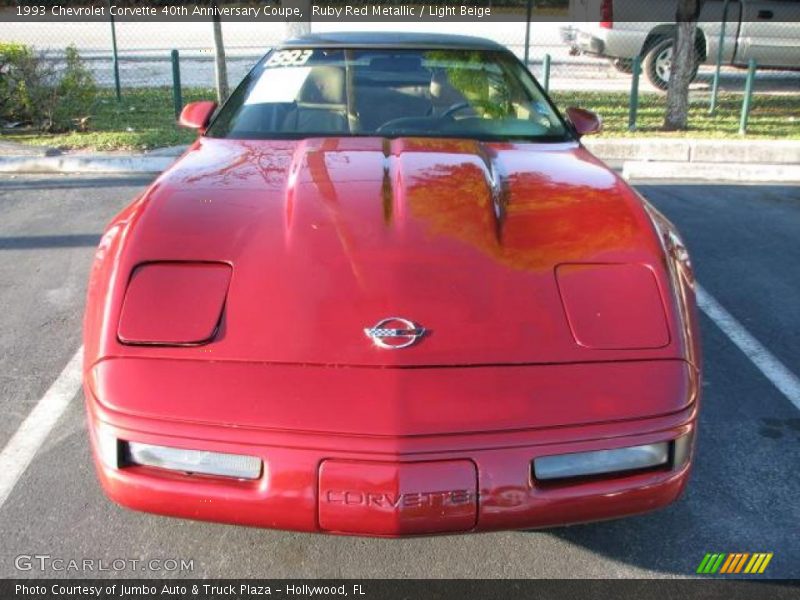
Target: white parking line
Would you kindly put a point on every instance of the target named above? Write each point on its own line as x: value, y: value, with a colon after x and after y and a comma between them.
x: 33, y: 431
x: 772, y: 368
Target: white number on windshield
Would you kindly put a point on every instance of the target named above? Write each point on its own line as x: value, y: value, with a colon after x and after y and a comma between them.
x: 288, y: 58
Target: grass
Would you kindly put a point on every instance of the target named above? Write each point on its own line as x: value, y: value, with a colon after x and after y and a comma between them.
x: 771, y: 116
x: 145, y: 120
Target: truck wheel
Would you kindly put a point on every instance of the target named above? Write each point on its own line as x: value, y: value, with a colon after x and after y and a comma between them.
x: 658, y: 63
x: 623, y: 65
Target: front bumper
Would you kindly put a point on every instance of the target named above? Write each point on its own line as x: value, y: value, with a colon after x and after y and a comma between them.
x: 394, y: 486
x: 587, y: 43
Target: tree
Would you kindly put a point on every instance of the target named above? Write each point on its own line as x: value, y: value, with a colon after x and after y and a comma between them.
x: 684, y: 59
x: 220, y: 68
x: 297, y: 28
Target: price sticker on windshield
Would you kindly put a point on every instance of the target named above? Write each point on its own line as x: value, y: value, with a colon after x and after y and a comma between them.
x: 288, y: 58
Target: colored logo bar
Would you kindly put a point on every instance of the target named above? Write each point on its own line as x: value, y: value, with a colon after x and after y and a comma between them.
x: 734, y: 562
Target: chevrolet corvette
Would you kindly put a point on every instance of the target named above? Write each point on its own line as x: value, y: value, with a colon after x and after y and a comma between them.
x: 387, y: 291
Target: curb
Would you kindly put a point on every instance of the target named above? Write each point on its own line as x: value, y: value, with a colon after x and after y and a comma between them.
x: 712, y: 171
x: 85, y: 164
x: 768, y: 152
x: 738, y: 161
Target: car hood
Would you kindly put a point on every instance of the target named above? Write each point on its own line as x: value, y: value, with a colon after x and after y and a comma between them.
x: 328, y: 236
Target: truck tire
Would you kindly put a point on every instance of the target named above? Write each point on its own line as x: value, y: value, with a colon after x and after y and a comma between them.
x: 658, y: 62
x: 623, y: 65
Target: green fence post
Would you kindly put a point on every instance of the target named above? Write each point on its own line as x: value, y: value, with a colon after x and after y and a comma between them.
x: 529, y: 15
x: 115, y: 63
x: 715, y: 87
x: 748, y: 96
x: 634, y: 100
x: 177, y: 98
x: 546, y: 73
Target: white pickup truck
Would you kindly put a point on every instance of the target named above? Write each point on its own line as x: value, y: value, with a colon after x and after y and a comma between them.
x: 765, y: 30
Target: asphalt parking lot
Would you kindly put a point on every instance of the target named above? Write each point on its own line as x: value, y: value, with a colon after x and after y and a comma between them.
x: 743, y: 496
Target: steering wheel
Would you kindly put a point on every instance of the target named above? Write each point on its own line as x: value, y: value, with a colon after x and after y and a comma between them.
x: 458, y: 106
x: 401, y: 125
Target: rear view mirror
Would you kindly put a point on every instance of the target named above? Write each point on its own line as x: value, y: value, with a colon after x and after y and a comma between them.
x: 585, y: 121
x: 196, y: 115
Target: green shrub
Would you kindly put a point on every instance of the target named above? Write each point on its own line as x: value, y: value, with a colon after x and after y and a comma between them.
x: 21, y: 76
x: 75, y: 93
x: 34, y: 92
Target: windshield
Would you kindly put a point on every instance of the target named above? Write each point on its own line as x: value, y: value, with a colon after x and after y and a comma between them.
x: 294, y: 93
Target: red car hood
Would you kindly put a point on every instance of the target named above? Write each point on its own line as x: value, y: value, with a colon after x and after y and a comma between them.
x: 328, y: 236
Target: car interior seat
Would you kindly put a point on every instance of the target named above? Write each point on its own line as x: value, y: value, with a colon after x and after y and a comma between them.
x: 443, y: 93
x: 321, y: 105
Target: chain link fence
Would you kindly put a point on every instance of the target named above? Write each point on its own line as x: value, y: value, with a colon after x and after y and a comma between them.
x: 144, y: 47
x: 562, y: 55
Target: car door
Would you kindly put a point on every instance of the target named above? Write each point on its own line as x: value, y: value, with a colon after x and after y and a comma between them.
x: 770, y: 33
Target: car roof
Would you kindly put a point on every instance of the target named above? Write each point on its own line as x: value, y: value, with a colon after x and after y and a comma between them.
x: 390, y: 39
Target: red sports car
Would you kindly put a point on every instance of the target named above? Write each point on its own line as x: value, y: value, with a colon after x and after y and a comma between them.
x: 388, y: 292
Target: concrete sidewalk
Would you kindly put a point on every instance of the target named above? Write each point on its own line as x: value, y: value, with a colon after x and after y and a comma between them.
x: 652, y: 158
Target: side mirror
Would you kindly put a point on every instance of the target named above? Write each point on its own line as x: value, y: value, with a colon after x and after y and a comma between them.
x: 585, y: 121
x: 196, y: 115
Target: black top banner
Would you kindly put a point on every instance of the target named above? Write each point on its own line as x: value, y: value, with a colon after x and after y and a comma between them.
x: 409, y: 589
x: 607, y: 12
